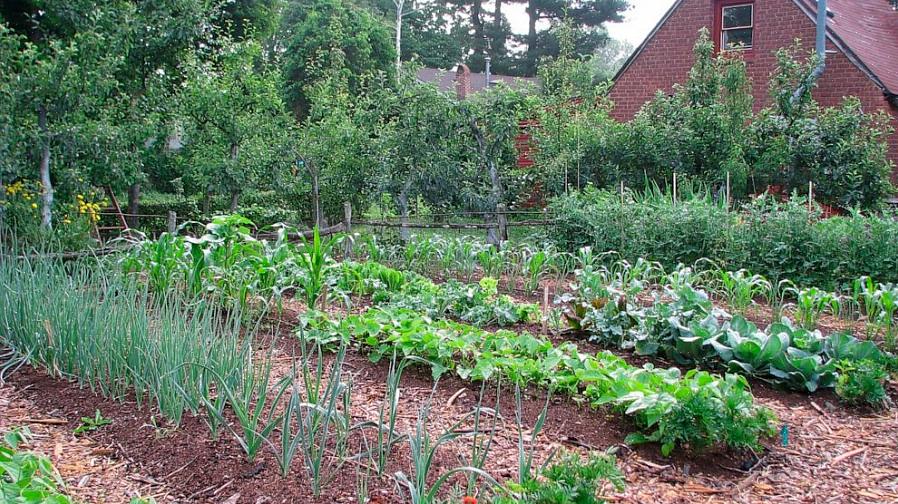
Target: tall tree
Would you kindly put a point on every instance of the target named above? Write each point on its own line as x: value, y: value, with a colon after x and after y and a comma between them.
x: 587, y: 17
x: 313, y: 29
x: 235, y: 108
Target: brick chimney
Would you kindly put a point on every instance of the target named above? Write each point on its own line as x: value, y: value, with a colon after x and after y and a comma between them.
x: 462, y: 81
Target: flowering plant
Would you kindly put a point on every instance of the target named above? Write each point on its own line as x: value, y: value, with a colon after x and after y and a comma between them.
x: 20, y: 213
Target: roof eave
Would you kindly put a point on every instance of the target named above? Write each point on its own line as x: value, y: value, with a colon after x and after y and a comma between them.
x: 645, y: 42
x: 846, y: 50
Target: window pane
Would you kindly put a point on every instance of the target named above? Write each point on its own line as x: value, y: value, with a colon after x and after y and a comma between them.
x: 737, y: 17
x: 737, y: 39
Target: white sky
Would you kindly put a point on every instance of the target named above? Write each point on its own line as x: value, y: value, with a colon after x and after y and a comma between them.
x: 639, y: 20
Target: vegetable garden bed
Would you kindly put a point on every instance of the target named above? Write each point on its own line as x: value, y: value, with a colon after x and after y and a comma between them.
x: 387, y: 389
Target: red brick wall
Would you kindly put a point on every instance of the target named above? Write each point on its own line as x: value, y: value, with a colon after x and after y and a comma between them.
x: 667, y: 58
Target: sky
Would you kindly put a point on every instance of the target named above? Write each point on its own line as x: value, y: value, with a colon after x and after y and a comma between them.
x: 639, y: 20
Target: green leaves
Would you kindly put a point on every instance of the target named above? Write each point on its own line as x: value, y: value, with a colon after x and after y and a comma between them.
x: 26, y: 477
x: 90, y: 424
x: 648, y: 394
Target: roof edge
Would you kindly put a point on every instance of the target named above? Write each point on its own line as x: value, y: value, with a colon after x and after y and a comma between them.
x: 846, y: 50
x: 645, y: 42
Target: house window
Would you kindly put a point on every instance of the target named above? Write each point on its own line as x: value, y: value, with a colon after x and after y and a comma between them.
x: 736, y: 26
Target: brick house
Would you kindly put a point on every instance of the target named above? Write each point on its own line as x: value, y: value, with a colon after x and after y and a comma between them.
x: 862, y: 50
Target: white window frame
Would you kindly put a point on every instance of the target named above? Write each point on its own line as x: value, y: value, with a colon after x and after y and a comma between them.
x: 724, y: 30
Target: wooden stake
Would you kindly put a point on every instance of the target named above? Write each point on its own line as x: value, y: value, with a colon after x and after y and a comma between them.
x: 347, y: 221
x: 810, y: 196
x: 728, y: 190
x: 675, y: 188
x: 545, y: 309
x: 172, y: 222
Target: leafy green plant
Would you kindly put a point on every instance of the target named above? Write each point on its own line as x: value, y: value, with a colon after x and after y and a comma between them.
x: 248, y: 402
x: 26, y: 477
x: 322, y: 415
x: 90, y: 424
x: 811, y: 303
x: 314, y: 261
x: 861, y: 382
x: 569, y: 480
x: 740, y: 288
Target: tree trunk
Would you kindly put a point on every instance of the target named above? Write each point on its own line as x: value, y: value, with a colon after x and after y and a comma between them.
x: 533, y: 12
x: 399, y: 6
x: 497, y: 24
x: 477, y: 23
x: 496, y: 183
x: 207, y: 202
x: 133, y: 205
x: 47, y: 185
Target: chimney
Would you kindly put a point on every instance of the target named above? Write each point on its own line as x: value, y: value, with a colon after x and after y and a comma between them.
x: 462, y: 81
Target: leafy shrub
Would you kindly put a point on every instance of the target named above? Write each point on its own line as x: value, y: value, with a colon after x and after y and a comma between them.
x: 705, y: 130
x: 861, y: 382
x: 773, y: 239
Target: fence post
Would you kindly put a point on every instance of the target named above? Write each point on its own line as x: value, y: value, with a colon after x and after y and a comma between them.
x: 502, y: 219
x: 172, y: 222
x: 675, y: 189
x: 728, y: 190
x: 810, y: 196
x: 347, y: 221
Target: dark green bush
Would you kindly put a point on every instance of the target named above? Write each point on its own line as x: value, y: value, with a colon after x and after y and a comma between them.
x: 780, y: 240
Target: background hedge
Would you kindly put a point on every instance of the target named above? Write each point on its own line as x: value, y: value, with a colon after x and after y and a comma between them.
x: 780, y: 240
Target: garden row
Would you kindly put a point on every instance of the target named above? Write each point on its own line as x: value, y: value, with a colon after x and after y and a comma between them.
x: 693, y: 410
x: 780, y: 240
x: 527, y: 266
x: 684, y: 325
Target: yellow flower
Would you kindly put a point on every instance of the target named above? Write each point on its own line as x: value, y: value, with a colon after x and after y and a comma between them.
x: 34, y: 205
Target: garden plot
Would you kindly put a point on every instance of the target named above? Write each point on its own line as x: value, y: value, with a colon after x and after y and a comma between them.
x: 363, y: 380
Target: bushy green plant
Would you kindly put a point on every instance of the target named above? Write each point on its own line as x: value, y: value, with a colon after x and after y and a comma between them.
x: 861, y: 382
x: 777, y: 240
x: 569, y: 480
